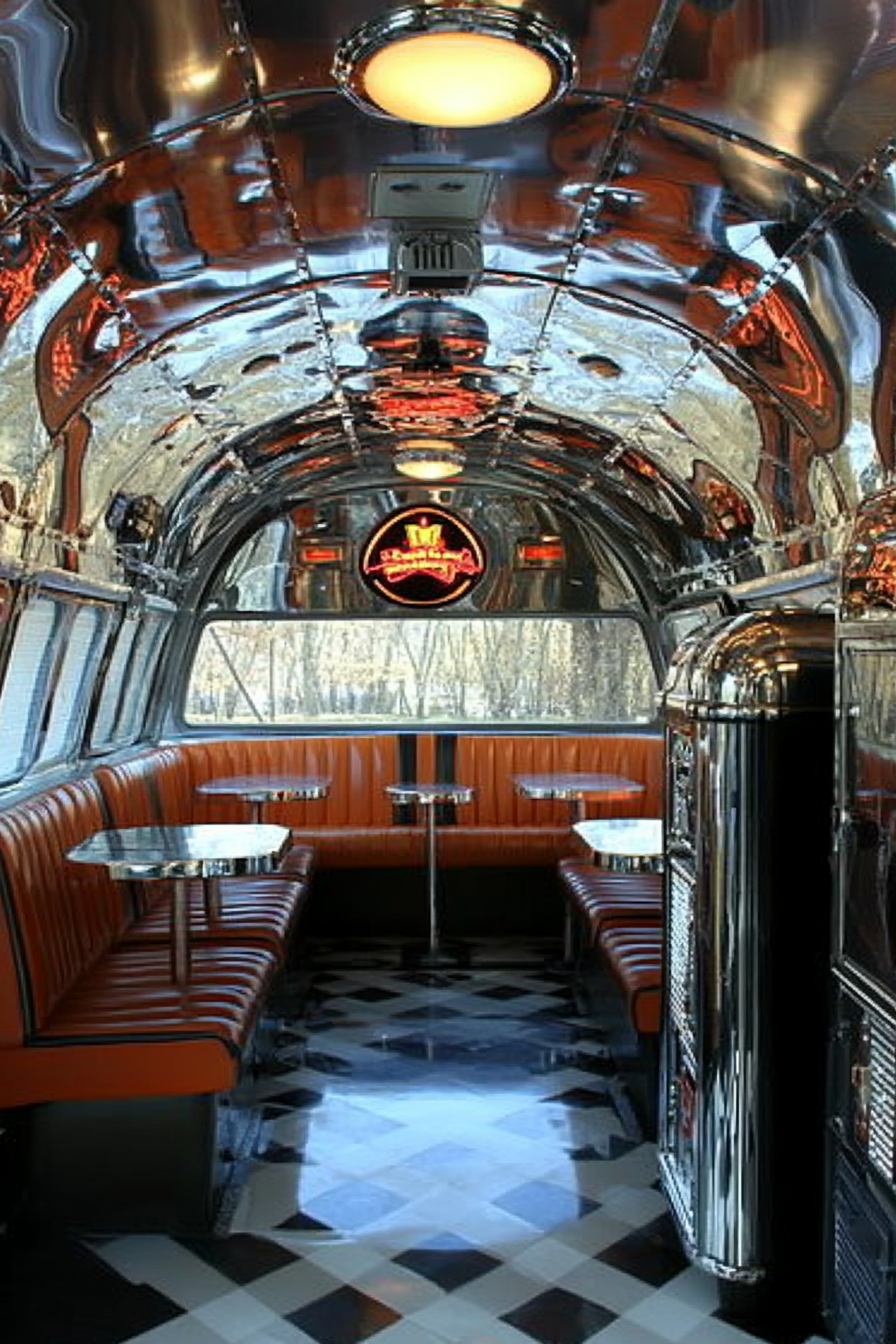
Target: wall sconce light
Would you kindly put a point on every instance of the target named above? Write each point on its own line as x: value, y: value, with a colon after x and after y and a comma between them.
x: 135, y: 519
x: 429, y: 459
x: 454, y: 64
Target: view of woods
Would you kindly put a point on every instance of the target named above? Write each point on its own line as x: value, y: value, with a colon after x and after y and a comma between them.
x: 506, y: 670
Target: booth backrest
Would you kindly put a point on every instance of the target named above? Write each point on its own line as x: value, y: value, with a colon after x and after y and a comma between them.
x: 58, y: 916
x: 151, y: 787
x: 489, y: 763
x: 359, y: 768
x: 356, y: 825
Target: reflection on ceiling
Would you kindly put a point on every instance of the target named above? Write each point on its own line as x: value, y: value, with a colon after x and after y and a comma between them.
x: 227, y: 290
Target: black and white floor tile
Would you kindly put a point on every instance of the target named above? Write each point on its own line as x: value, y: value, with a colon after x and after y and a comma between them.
x: 447, y: 1157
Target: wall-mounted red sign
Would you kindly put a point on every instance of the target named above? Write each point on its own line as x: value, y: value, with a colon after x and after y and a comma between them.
x: 423, y: 556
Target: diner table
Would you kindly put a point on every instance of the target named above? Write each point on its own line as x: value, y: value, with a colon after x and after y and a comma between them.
x: 624, y: 844
x: 259, y: 790
x: 181, y: 854
x: 428, y: 796
x: 576, y: 787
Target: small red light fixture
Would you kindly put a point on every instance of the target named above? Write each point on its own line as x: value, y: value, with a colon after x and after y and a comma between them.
x: 541, y: 553
x: 320, y: 553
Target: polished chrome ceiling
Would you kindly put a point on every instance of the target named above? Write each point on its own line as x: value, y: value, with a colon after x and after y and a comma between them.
x: 683, y: 326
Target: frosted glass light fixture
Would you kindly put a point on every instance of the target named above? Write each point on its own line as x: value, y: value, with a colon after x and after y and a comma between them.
x: 454, y: 65
x: 429, y: 459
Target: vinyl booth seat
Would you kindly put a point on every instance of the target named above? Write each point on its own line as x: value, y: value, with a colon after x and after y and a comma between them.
x: 620, y: 915
x: 356, y: 826
x: 154, y: 788
x: 122, y: 1076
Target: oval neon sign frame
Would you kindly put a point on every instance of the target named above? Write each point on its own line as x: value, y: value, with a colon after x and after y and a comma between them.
x: 422, y: 556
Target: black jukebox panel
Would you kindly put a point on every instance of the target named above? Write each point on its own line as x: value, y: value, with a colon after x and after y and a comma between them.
x: 861, y: 1235
x: 867, y: 841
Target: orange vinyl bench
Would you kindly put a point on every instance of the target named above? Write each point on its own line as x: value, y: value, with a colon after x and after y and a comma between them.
x: 621, y: 916
x: 634, y: 954
x: 600, y: 898
x: 356, y: 826
x: 105, y: 1055
x: 152, y: 788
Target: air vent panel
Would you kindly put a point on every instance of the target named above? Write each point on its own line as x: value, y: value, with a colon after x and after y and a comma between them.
x: 439, y: 258
x: 430, y: 193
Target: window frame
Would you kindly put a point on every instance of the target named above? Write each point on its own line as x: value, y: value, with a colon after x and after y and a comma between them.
x: 184, y: 726
x: 67, y: 597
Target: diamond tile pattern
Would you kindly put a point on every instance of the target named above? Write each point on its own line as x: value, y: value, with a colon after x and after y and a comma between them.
x: 446, y: 1157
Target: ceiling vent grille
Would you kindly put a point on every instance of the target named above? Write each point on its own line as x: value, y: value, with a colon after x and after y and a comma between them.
x: 435, y: 245
x: 435, y: 258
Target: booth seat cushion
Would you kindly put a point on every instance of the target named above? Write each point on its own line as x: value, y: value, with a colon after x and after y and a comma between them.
x: 253, y: 910
x: 123, y: 1029
x: 367, y: 846
x: 634, y: 954
x: 82, y: 1015
x: 463, y: 846
x: 601, y: 898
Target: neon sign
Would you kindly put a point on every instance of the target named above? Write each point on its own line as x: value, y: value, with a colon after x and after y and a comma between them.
x: 423, y: 556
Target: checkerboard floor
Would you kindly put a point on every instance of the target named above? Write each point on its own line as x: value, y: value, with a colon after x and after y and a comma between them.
x: 443, y: 1156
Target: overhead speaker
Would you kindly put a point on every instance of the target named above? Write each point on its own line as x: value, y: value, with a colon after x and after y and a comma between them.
x: 435, y: 258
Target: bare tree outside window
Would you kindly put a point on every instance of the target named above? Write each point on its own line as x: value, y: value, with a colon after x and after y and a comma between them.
x: 509, y: 670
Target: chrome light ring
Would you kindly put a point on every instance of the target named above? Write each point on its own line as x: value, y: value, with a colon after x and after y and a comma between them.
x: 530, y: 31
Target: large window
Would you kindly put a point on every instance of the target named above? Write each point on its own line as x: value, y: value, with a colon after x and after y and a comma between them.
x: 83, y: 643
x: 129, y: 678
x: 507, y: 670
x: 57, y: 647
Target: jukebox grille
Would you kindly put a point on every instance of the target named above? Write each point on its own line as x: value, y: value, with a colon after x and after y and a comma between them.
x: 883, y: 1096
x: 681, y: 902
x: 863, y: 1263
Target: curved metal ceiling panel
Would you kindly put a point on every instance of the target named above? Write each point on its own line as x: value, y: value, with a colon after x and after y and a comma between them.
x: 677, y: 312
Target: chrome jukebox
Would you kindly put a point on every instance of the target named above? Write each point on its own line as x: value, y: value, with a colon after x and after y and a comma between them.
x: 748, y: 707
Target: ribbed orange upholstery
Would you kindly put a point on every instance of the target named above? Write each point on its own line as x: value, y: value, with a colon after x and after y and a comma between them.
x: 147, y: 788
x: 351, y: 828
x: 83, y: 1015
x: 253, y: 910
x: 156, y: 787
x: 355, y: 825
x: 601, y: 898
x: 124, y: 1030
x: 63, y: 916
x: 634, y: 953
x: 489, y: 763
x: 359, y: 766
x: 465, y: 846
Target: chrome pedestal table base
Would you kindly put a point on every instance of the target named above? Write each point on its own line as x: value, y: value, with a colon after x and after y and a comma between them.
x: 436, y: 954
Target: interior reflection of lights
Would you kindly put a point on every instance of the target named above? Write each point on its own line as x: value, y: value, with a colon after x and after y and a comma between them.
x: 454, y: 64
x: 429, y: 459
x: 196, y: 78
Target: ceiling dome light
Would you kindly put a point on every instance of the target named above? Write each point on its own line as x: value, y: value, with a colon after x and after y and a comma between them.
x: 454, y: 65
x: 429, y: 459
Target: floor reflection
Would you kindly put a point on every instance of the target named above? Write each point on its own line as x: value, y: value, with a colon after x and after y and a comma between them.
x: 450, y: 1157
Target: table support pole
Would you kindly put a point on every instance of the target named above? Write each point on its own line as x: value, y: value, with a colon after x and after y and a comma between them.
x: 180, y: 933
x: 578, y: 811
x: 211, y: 898
x: 431, y: 881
